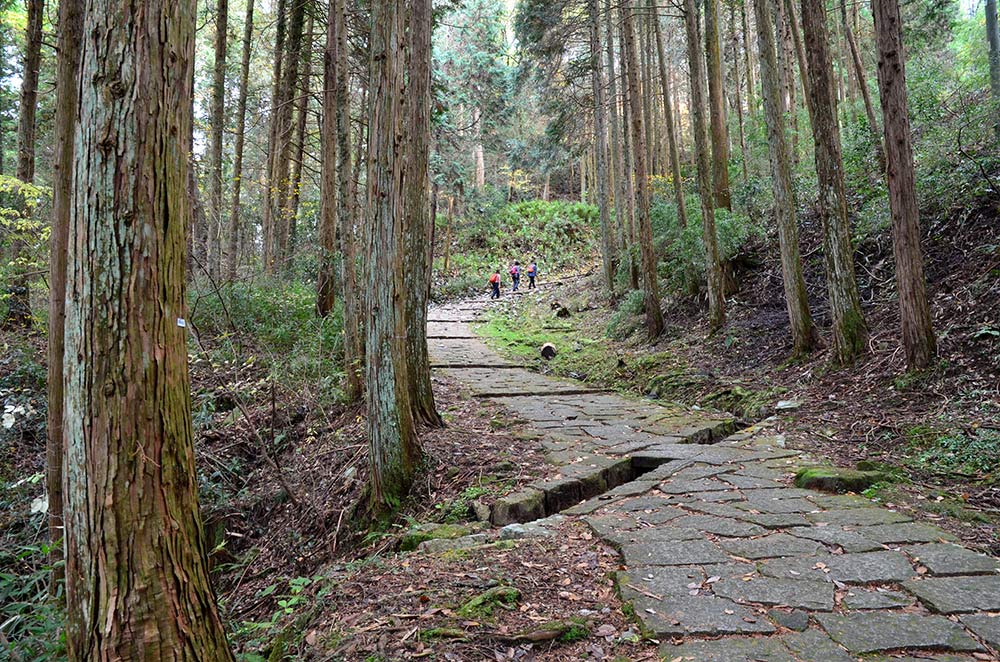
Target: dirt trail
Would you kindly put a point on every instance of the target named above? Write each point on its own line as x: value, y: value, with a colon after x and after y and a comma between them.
x: 724, y: 559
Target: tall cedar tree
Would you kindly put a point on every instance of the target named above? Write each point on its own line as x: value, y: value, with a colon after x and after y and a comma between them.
x: 19, y: 296
x: 804, y: 335
x: 668, y: 113
x: 327, y: 274
x: 216, y: 131
x: 993, y: 38
x: 233, y: 233
x: 393, y: 446
x: 713, y: 265
x: 849, y: 331
x: 859, y: 74
x: 347, y: 214
x: 270, y: 185
x: 614, y: 128
x: 418, y: 221
x: 914, y: 313
x: 137, y: 577
x: 650, y: 284
x: 601, y: 145
x: 302, y: 100
x: 717, y: 107
x: 67, y: 62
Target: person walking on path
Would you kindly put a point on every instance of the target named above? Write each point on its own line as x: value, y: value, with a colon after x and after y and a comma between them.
x: 515, y: 276
x: 495, y: 284
x: 532, y: 272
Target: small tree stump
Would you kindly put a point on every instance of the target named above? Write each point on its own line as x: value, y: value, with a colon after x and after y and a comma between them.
x: 548, y: 351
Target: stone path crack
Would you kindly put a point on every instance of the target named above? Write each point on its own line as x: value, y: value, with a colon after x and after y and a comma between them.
x: 723, y: 559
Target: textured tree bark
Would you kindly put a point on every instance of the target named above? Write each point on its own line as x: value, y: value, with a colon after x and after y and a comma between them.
x: 737, y: 85
x: 393, y: 447
x: 301, y: 116
x: 347, y: 214
x: 751, y: 82
x: 418, y: 223
x: 478, y: 154
x: 232, y: 245
x: 804, y: 334
x: 270, y: 184
x: 601, y: 146
x: 717, y: 107
x: 859, y: 72
x: 283, y: 152
x: 914, y: 313
x: 67, y: 62
x: 19, y: 294
x: 617, y: 158
x: 849, y: 331
x: 713, y: 265
x: 650, y: 282
x: 326, y: 276
x: 629, y: 241
x: 993, y: 37
x: 136, y: 563
x: 668, y: 113
x: 217, y: 129
x: 645, y: 88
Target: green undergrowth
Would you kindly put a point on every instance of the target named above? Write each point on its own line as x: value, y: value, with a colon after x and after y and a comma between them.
x: 272, y: 323
x: 557, y: 234
x: 967, y: 454
x: 614, y: 354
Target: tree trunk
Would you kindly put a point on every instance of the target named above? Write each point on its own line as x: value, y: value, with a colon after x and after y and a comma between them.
x: 218, y: 119
x: 418, y: 223
x: 329, y: 204
x: 601, y: 146
x: 650, y: 282
x: 859, y: 72
x: 478, y: 154
x: 713, y: 265
x: 993, y: 37
x: 232, y: 246
x: 19, y: 294
x: 617, y: 159
x: 67, y: 63
x: 804, y: 335
x: 301, y: 117
x: 394, y: 451
x: 668, y: 112
x: 737, y: 84
x: 283, y: 155
x: 136, y: 562
x: 849, y: 331
x: 717, y: 107
x: 628, y: 155
x: 447, y: 234
x: 914, y: 313
x: 270, y: 184
x: 751, y: 82
x: 800, y: 53
x: 347, y: 214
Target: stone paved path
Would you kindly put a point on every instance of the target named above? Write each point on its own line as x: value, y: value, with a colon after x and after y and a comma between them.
x: 724, y: 559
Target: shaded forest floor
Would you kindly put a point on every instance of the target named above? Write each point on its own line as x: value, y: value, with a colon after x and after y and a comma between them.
x: 935, y: 435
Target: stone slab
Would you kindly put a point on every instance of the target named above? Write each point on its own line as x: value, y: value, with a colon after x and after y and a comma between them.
x: 985, y: 626
x: 957, y: 595
x: 876, y: 599
x: 948, y: 559
x: 872, y: 632
x: 909, y: 532
x: 728, y: 650
x: 771, y: 546
x: 863, y: 568
x: 816, y: 646
x: 702, y: 615
x: 858, y: 517
x: 847, y: 539
x: 694, y: 552
x: 811, y: 595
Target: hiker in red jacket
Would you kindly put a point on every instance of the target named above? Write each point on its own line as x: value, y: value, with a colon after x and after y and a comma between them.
x: 515, y: 275
x: 495, y: 284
